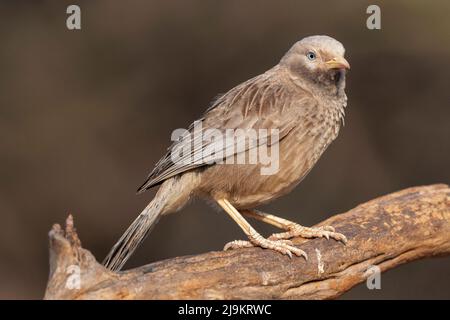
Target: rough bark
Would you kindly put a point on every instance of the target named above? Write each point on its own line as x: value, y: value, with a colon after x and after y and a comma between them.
x: 386, y: 232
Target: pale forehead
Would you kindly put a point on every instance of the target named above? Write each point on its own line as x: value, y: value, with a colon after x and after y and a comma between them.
x: 324, y: 43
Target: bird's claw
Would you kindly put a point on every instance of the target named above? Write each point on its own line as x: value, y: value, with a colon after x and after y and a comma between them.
x: 297, y: 230
x: 237, y: 244
x: 283, y: 246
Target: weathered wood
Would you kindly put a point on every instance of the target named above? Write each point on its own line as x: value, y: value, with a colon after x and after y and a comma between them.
x: 386, y: 232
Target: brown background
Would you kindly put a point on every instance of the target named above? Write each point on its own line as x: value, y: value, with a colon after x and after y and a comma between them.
x: 84, y: 115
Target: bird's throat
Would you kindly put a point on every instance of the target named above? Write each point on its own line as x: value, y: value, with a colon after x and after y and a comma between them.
x: 338, y: 78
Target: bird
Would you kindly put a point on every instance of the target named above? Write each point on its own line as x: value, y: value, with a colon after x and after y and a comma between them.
x: 302, y: 99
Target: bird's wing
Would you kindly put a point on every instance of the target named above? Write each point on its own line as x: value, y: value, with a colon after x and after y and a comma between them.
x: 259, y: 103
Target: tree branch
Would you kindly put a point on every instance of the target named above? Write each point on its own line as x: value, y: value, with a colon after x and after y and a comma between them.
x: 388, y: 231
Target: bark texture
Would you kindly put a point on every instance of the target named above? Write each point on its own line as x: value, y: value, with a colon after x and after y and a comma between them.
x: 385, y: 232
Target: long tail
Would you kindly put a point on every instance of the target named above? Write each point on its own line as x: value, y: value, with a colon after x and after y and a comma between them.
x: 173, y: 194
x: 133, y: 237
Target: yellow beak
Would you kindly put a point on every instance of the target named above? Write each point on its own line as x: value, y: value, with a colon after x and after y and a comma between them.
x: 338, y: 63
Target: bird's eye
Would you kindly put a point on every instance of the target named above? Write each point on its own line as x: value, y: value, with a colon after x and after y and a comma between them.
x: 311, y: 55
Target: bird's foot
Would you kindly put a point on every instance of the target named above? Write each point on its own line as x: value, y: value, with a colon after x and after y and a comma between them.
x: 296, y: 230
x: 283, y: 246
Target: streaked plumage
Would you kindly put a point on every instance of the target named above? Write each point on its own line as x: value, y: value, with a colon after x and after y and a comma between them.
x: 303, y: 99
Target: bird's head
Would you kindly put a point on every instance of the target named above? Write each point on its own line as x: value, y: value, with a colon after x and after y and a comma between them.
x: 317, y: 61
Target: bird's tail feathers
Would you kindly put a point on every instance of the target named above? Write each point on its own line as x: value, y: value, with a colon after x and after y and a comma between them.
x: 173, y: 194
x: 133, y: 237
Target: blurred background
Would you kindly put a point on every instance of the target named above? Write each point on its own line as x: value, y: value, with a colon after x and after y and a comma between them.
x: 84, y: 116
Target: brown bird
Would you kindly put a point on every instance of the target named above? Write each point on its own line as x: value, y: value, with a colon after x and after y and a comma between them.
x: 301, y: 100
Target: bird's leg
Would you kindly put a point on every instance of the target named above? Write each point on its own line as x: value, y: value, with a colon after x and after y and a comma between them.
x: 255, y: 239
x: 294, y: 229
